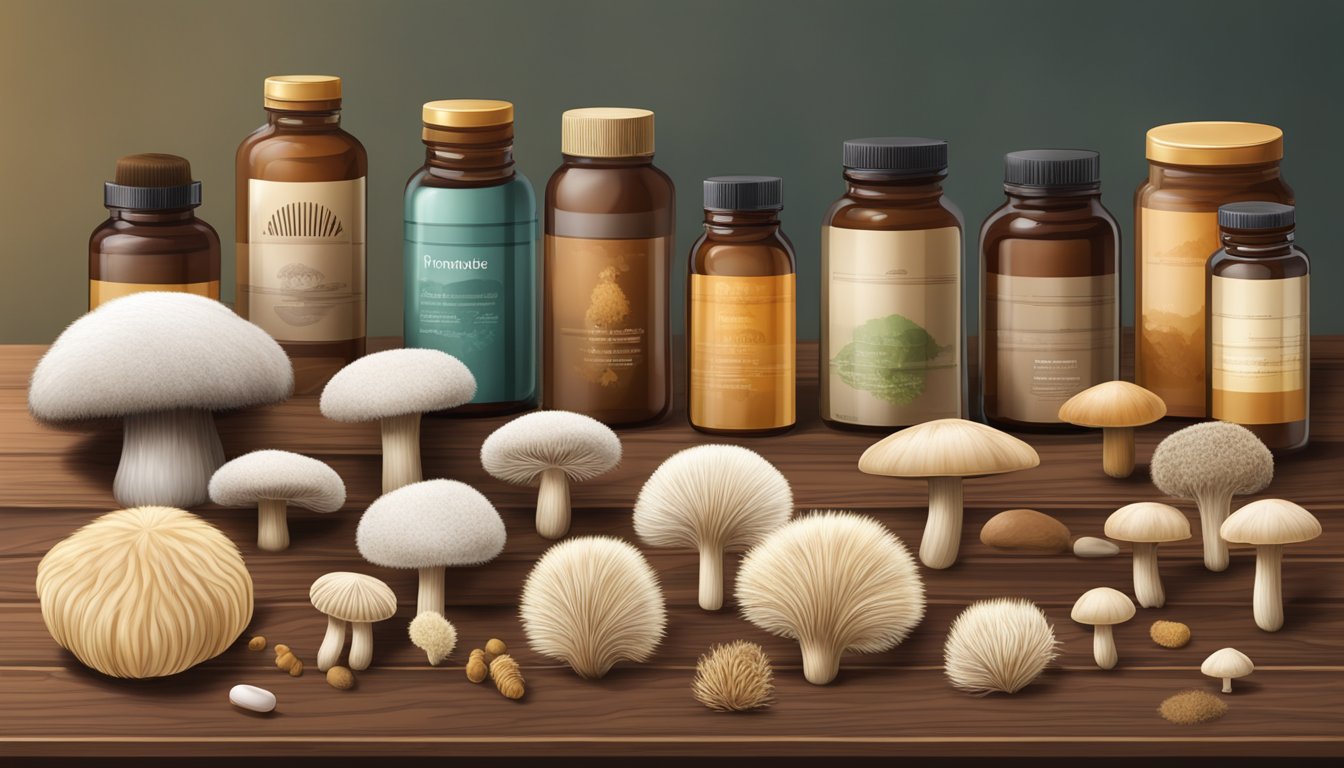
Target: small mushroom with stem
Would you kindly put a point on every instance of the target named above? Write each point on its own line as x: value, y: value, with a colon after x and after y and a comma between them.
x: 272, y: 480
x: 429, y: 526
x: 1227, y: 664
x: 1102, y: 608
x: 1116, y: 407
x: 944, y: 452
x: 394, y: 388
x: 358, y: 601
x: 551, y: 449
x: 1269, y: 524
x: 1145, y: 525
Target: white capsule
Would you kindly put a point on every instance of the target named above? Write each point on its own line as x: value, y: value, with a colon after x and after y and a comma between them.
x: 252, y: 698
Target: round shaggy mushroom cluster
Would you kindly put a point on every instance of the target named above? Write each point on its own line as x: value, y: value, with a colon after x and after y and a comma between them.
x: 998, y: 645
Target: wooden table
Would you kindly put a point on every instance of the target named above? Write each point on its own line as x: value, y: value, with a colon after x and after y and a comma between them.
x: 894, y: 703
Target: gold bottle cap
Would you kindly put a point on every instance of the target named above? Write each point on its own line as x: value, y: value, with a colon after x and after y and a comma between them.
x: 303, y: 92
x: 607, y: 132
x: 467, y: 113
x: 1215, y: 143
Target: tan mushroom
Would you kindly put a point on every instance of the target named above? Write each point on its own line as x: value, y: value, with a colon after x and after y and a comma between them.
x: 355, y: 599
x: 1227, y: 664
x: 1116, y: 407
x: 1102, y: 608
x: 944, y: 452
x: 1145, y: 525
x: 1269, y: 524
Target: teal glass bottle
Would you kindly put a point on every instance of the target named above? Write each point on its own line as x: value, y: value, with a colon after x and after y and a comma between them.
x: 471, y: 253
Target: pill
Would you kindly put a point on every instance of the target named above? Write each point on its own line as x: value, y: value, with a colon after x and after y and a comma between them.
x: 252, y: 698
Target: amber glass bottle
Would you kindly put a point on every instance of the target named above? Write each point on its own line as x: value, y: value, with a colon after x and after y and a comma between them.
x: 152, y: 240
x: 300, y: 225
x: 891, y: 290
x: 1049, y: 312
x: 741, y: 311
x: 608, y: 240
x: 1259, y: 357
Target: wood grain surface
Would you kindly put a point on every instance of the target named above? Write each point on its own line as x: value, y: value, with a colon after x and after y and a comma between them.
x: 896, y: 703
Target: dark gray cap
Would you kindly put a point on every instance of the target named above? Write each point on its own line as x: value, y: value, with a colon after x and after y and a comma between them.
x: 1052, y: 168
x: 906, y: 155
x: 744, y: 193
x: 1256, y: 215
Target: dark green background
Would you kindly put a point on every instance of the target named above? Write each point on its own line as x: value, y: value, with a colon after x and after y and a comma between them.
x: 738, y: 87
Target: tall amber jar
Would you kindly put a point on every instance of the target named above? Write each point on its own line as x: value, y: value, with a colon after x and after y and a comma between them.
x: 1193, y: 169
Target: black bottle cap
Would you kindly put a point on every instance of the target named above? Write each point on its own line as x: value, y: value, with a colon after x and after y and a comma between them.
x: 1256, y: 215
x: 905, y: 155
x: 744, y: 193
x: 152, y: 182
x: 1052, y: 168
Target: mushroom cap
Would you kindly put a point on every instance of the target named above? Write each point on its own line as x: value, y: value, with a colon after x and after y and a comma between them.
x: 1113, y: 404
x: 1227, y: 662
x: 353, y: 597
x: 397, y: 382
x: 1148, y: 522
x: 1270, y: 521
x: 947, y: 448
x: 157, y: 351
x: 1214, y: 455
x: 580, y: 446
x: 1102, y: 606
x: 282, y: 475
x: 430, y: 524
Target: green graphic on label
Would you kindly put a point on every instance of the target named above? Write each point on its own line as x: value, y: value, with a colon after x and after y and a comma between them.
x: 889, y: 358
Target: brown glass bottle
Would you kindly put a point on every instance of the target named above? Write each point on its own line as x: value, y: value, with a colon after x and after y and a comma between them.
x: 1259, y: 358
x: 152, y: 240
x: 300, y: 228
x: 608, y: 243
x: 741, y: 312
x: 1049, y: 312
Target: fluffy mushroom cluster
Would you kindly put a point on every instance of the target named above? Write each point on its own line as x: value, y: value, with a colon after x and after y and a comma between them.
x: 1145, y: 525
x: 1116, y: 407
x: 354, y: 600
x: 998, y: 645
x: 163, y: 362
x: 271, y: 481
x: 1269, y: 524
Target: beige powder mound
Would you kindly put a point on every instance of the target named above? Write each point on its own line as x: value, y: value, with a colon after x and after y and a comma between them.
x: 1192, y: 707
x: 1169, y: 634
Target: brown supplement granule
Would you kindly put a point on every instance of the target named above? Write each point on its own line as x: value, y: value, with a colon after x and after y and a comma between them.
x: 1169, y: 634
x: 1191, y: 707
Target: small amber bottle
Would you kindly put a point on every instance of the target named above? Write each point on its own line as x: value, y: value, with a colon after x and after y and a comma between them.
x: 741, y: 312
x: 1259, y: 357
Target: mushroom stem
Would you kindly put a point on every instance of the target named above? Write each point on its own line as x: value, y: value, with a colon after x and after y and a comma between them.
x: 330, y: 651
x: 821, y: 662
x: 431, y: 592
x: 1268, y: 602
x: 711, y: 577
x: 272, y: 529
x: 401, y: 451
x: 942, y: 530
x: 1214, y: 507
x: 1227, y: 685
x: 1103, y: 646
x: 1117, y: 451
x: 553, y: 503
x: 361, y: 645
x: 167, y: 458
x: 1147, y: 581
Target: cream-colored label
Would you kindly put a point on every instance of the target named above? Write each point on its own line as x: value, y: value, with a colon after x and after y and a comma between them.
x: 1258, y: 350
x: 893, y: 326
x: 1055, y: 337
x: 103, y: 291
x: 306, y: 259
x: 1175, y: 251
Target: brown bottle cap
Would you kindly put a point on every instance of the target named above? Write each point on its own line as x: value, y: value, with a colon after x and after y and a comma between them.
x: 303, y: 93
x: 1215, y: 143
x: 607, y: 132
x: 467, y: 113
x: 152, y: 181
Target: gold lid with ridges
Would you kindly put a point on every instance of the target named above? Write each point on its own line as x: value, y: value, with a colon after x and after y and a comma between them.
x: 299, y: 92
x: 607, y: 132
x: 1215, y: 143
x: 466, y: 113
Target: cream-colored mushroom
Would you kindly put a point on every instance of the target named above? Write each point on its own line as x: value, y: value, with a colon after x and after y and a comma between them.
x: 1103, y: 608
x: 1269, y: 524
x: 356, y: 600
x: 1145, y: 525
x: 1227, y: 664
x: 1116, y: 407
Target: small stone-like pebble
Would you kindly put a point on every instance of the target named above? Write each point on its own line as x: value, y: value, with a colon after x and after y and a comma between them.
x: 1091, y: 546
x: 252, y: 698
x: 256, y: 644
x: 1169, y: 634
x: 1025, y: 530
x: 340, y: 678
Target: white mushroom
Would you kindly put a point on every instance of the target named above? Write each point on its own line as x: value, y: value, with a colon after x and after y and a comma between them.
x: 551, y: 449
x: 1146, y: 524
x: 1101, y: 608
x: 395, y: 388
x: 271, y: 480
x: 355, y: 599
x: 1227, y: 664
x: 163, y: 362
x: 1269, y: 524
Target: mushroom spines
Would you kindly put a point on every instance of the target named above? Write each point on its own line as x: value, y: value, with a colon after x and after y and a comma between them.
x: 354, y: 597
x: 1211, y: 457
x: 947, y: 448
x: 397, y: 382
x: 282, y: 475
x: 430, y: 524
x: 580, y: 446
x: 1001, y: 644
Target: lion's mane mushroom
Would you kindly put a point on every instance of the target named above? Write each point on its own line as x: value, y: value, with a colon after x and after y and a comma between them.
x: 145, y: 592
x: 162, y: 362
x: 1145, y: 525
x: 837, y: 583
x: 271, y: 480
x: 429, y: 526
x: 709, y: 498
x: 551, y: 449
x: 356, y: 600
x: 1102, y: 608
x: 1001, y: 644
x: 1211, y: 463
x: 1227, y: 664
x: 1116, y: 407
x: 395, y: 388
x: 1269, y: 524
x: 944, y: 452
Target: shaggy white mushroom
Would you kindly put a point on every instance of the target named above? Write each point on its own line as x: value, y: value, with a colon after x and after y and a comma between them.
x: 163, y: 362
x: 429, y: 526
x: 394, y: 388
x: 272, y: 480
x: 551, y: 449
x: 1000, y: 644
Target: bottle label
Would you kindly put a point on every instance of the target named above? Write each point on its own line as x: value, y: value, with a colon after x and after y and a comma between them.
x: 1175, y: 250
x: 1054, y: 337
x: 306, y: 259
x: 1258, y: 338
x: 103, y: 291
x: 893, y: 326
x: 742, y: 349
